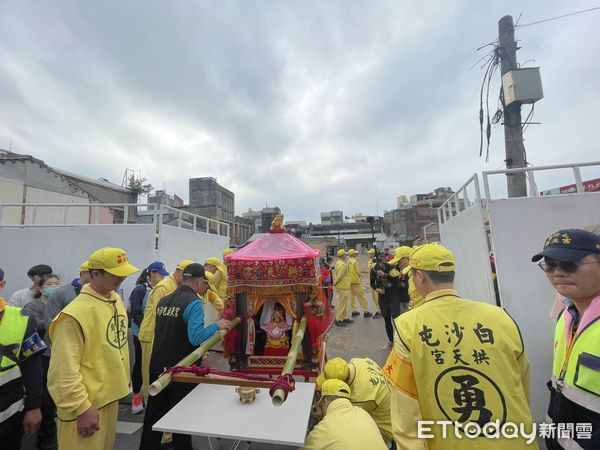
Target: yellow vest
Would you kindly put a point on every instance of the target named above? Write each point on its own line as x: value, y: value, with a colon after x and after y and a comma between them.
x: 13, y: 326
x: 576, y: 365
x: 355, y: 271
x: 104, y: 363
x: 464, y: 357
x: 370, y: 391
x: 341, y: 275
x: 222, y: 287
x: 164, y: 287
x: 345, y: 427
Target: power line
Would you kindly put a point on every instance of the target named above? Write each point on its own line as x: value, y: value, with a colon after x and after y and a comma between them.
x: 557, y: 17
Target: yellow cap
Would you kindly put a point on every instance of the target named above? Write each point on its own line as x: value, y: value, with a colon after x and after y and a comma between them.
x: 336, y: 368
x: 320, y: 380
x: 401, y: 252
x: 213, y: 260
x: 432, y: 257
x: 335, y: 387
x: 352, y: 252
x: 371, y: 251
x: 112, y: 260
x: 341, y: 252
x: 84, y: 267
x: 406, y: 270
x: 183, y: 264
x: 227, y: 251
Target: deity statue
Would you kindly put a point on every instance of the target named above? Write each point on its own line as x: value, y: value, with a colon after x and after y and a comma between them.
x: 276, y: 323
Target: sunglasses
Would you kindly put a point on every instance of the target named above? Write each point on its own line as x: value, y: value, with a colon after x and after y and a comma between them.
x: 550, y: 265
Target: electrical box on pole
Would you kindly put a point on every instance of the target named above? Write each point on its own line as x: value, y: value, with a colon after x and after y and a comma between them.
x: 522, y: 85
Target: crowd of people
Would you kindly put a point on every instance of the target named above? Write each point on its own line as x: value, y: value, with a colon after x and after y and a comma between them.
x: 388, y: 285
x: 65, y: 354
x: 462, y: 364
x: 452, y: 361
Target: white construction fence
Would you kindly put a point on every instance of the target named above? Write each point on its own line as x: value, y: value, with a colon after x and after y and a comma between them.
x: 64, y: 235
x: 514, y: 229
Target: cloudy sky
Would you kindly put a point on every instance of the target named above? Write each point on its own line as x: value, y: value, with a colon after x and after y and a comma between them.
x: 308, y: 105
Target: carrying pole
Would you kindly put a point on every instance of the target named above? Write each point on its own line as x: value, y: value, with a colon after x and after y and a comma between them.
x: 279, y: 395
x: 165, y: 379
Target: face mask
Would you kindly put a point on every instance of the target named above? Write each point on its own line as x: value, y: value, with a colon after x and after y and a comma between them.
x: 48, y: 291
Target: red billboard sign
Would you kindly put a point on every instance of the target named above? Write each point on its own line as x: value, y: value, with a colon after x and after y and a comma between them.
x: 588, y: 186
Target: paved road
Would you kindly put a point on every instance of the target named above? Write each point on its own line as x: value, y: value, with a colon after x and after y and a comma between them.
x: 365, y: 337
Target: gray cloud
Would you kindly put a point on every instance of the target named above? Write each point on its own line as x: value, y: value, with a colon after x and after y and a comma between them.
x: 307, y: 105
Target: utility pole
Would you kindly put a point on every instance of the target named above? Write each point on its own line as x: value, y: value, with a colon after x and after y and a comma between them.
x: 513, y: 128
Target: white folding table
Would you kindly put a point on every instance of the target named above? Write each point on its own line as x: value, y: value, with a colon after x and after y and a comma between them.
x: 215, y: 411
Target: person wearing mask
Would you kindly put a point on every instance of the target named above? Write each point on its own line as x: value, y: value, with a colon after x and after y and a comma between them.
x: 46, y: 286
x: 341, y: 281
x: 455, y: 360
x: 89, y: 369
x: 374, y: 295
x: 368, y: 388
x: 356, y: 289
x: 179, y: 330
x: 146, y: 334
x: 571, y: 261
x: 46, y: 435
x: 20, y: 373
x: 344, y: 426
x: 65, y: 294
x: 149, y: 277
x: 23, y: 296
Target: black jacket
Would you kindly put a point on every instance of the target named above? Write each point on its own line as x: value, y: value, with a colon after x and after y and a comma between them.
x: 395, y: 287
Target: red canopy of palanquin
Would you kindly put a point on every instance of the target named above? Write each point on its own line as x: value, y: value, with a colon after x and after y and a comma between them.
x: 275, y: 259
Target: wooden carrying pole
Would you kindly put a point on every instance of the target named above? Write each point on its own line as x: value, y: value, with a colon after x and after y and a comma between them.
x: 164, y: 380
x: 279, y: 395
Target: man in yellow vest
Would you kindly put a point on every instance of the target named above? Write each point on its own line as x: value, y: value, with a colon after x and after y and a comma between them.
x: 89, y: 369
x: 571, y: 261
x: 341, y: 282
x: 374, y: 295
x: 227, y: 251
x: 458, y: 367
x: 219, y: 271
x: 146, y: 333
x: 20, y: 373
x: 212, y: 297
x: 369, y: 388
x: 344, y: 426
x: 356, y: 288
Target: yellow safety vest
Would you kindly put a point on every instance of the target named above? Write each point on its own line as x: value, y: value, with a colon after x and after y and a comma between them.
x: 104, y: 363
x: 370, y: 391
x: 222, y: 287
x: 462, y: 365
x: 341, y: 275
x: 163, y: 288
x: 354, y: 269
x: 13, y: 326
x: 576, y: 372
x: 345, y: 427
